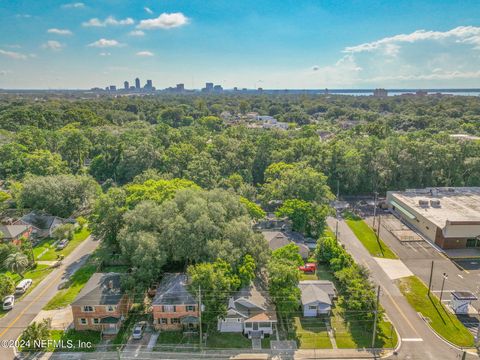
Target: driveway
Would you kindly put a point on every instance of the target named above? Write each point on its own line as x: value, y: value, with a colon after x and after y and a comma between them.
x: 12, y: 325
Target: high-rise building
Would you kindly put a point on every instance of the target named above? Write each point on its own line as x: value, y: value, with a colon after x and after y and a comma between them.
x: 218, y: 88
x: 381, y: 93
x: 126, y: 85
x: 149, y: 85
x: 180, y: 87
x: 112, y: 88
x: 137, y: 83
x: 208, y: 87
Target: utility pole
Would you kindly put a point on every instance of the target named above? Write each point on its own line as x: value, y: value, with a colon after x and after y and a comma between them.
x: 378, y: 229
x: 374, y: 208
x: 336, y: 231
x: 430, y: 281
x: 445, y: 277
x: 374, y: 335
x: 200, y: 315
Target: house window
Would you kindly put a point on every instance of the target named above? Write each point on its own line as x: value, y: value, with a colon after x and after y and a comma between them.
x: 162, y: 321
x: 111, y: 308
x: 312, y: 307
x: 95, y: 321
x: 190, y: 307
x: 169, y: 308
x: 82, y: 321
x: 264, y: 324
x: 175, y: 321
x: 248, y: 325
x: 88, y: 308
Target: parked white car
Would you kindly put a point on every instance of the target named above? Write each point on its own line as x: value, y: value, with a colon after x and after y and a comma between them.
x: 8, y: 302
x: 22, y: 286
x: 138, y: 331
x: 62, y: 244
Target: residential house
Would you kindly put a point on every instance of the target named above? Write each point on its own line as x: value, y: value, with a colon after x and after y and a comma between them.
x: 42, y: 224
x: 317, y: 297
x: 14, y: 233
x: 101, y: 305
x: 174, y: 307
x: 249, y: 312
x: 278, y: 239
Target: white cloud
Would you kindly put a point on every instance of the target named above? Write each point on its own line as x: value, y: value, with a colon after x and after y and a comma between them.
x: 460, y: 33
x: 52, y: 45
x: 144, y: 53
x: 4, y: 72
x: 148, y: 10
x: 164, y: 21
x: 109, y: 21
x: 105, y: 54
x: 59, y: 31
x: 418, y: 59
x: 76, y: 5
x: 136, y: 33
x: 315, y: 67
x: 105, y: 43
x: 13, y: 55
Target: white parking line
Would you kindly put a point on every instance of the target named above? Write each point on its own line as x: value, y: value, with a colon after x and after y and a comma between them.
x: 460, y: 276
x: 412, y: 339
x: 411, y: 247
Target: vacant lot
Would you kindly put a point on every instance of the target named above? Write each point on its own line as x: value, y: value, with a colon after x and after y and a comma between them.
x: 375, y: 246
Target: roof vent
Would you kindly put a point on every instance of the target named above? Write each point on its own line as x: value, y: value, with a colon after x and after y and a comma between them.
x: 423, y: 203
x: 435, y: 203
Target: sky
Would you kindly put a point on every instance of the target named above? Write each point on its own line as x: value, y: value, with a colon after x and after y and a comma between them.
x: 274, y: 44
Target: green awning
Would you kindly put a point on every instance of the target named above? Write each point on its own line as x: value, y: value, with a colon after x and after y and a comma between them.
x: 109, y: 320
x: 403, y: 210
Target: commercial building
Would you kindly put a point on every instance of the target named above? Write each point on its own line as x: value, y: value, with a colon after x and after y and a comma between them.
x: 381, y: 93
x: 137, y: 84
x: 448, y: 217
x: 126, y: 85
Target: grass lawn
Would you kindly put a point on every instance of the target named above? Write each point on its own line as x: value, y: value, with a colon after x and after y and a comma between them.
x: 65, y: 296
x: 354, y: 335
x: 51, y: 253
x: 376, y: 247
x: 176, y: 341
x: 217, y: 340
x: 322, y: 273
x: 441, y: 320
x: 310, y: 333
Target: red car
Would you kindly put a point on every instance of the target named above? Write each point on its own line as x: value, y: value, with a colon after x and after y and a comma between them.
x: 308, y: 268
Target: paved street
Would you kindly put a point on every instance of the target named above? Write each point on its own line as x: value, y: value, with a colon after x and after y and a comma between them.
x: 25, y: 310
x: 418, y: 341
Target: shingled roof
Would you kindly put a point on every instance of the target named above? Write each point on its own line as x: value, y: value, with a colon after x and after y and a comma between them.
x: 173, y: 291
x: 101, y: 289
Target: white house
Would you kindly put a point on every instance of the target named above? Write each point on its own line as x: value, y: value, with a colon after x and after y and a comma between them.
x: 249, y: 312
x: 317, y: 297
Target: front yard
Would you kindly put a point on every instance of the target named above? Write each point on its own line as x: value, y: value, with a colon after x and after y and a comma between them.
x: 176, y: 341
x: 65, y: 296
x: 440, y: 318
x: 309, y: 333
x: 71, y: 341
x: 46, y: 251
x: 375, y: 246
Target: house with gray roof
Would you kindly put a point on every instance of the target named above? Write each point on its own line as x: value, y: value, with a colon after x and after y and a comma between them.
x: 174, y: 307
x: 14, y: 233
x: 317, y: 297
x: 278, y: 239
x: 101, y: 305
x: 42, y: 224
x: 250, y: 312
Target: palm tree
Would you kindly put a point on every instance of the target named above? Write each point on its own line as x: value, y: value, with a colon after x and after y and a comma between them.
x: 17, y: 263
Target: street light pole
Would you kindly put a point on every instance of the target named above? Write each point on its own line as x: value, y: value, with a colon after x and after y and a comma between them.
x: 445, y: 277
x: 374, y: 208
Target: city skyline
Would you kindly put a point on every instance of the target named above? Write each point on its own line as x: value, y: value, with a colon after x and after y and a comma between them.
x: 306, y: 44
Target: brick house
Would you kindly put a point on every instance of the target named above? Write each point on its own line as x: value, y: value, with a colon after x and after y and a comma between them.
x: 101, y: 305
x: 15, y: 233
x: 174, y: 307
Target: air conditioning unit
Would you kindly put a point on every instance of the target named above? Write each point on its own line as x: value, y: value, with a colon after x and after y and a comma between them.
x: 435, y: 203
x: 423, y: 203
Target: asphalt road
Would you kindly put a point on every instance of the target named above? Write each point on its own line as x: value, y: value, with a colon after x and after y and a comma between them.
x: 12, y: 325
x: 418, y: 340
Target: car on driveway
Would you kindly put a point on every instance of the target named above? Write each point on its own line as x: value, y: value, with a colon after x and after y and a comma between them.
x: 138, y: 331
x: 62, y: 244
x: 8, y: 302
x: 22, y: 286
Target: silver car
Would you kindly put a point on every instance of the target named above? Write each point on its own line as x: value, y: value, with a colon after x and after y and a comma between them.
x: 138, y: 331
x: 8, y: 302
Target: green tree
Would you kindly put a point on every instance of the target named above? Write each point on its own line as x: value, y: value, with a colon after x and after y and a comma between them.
x: 306, y: 217
x: 246, y: 270
x: 255, y: 211
x: 288, y: 253
x: 64, y: 231
x: 35, y: 333
x: 16, y: 263
x: 7, y: 285
x: 283, y: 279
x: 217, y: 282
